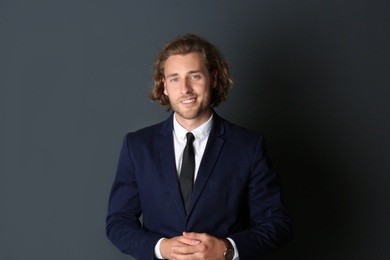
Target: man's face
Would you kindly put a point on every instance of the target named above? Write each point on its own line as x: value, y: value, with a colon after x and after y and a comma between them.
x: 187, y: 85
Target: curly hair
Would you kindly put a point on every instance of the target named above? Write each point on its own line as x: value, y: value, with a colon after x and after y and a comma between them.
x: 214, y: 62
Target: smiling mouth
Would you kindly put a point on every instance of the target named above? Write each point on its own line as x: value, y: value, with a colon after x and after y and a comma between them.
x: 188, y: 101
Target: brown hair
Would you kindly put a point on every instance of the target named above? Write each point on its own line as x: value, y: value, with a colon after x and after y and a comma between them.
x: 214, y: 61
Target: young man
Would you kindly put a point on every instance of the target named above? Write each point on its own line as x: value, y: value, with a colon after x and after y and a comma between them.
x: 230, y: 207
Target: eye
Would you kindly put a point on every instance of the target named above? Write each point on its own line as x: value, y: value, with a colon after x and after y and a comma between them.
x: 195, y: 77
x: 173, y: 80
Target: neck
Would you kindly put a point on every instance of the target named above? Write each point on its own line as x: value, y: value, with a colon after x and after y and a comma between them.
x: 193, y: 123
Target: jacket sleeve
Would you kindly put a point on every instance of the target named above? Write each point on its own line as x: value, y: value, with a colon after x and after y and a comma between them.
x: 123, y: 225
x: 270, y: 222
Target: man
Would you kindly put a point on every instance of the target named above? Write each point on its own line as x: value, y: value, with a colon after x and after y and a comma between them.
x: 231, y: 208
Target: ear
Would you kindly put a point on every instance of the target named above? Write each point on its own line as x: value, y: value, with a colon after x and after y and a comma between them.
x: 165, y: 86
x: 214, y: 78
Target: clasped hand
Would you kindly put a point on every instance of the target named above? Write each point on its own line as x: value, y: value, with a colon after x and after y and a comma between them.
x: 191, y: 246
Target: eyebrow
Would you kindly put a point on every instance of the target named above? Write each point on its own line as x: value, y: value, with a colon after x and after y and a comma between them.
x: 188, y: 73
x: 171, y: 75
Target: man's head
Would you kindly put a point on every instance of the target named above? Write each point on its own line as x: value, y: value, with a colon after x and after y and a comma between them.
x: 216, y: 65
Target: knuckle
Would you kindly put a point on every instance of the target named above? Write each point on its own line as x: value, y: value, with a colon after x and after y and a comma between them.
x: 202, y: 248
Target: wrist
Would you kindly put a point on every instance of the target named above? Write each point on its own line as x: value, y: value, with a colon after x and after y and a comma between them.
x: 229, y: 249
x: 164, y: 249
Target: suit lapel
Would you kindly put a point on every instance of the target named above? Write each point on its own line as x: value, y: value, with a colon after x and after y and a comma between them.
x: 165, y: 145
x: 210, y: 156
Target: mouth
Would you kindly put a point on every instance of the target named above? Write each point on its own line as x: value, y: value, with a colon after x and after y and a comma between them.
x: 188, y: 100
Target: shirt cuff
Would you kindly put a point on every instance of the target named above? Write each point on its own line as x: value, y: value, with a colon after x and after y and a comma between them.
x: 236, y: 256
x: 157, y: 253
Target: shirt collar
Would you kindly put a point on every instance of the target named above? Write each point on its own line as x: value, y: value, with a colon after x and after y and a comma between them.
x: 200, y: 132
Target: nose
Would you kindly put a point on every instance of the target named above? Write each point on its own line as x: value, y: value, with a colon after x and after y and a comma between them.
x: 185, y: 86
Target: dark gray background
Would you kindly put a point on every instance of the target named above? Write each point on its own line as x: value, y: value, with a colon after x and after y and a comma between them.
x: 311, y: 76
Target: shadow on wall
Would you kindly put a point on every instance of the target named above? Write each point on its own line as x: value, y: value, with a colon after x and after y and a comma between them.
x: 299, y: 117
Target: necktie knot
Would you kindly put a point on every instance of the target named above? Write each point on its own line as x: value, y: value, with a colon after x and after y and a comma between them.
x: 190, y: 138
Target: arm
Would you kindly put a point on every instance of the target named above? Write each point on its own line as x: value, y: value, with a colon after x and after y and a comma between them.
x: 123, y: 226
x: 271, y: 224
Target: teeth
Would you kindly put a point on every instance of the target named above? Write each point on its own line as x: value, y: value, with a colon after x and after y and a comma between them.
x: 188, y: 100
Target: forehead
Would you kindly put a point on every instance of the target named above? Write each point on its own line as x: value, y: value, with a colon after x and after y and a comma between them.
x: 184, y: 62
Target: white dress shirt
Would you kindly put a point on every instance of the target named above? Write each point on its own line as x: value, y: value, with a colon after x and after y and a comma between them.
x: 201, y: 134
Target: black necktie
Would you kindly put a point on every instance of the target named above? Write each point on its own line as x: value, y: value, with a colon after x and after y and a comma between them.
x: 187, y: 170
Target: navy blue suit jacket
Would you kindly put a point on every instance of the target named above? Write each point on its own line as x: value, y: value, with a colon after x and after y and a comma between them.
x: 235, y: 195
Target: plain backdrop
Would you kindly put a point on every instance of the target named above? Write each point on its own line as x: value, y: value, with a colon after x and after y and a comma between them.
x: 311, y: 76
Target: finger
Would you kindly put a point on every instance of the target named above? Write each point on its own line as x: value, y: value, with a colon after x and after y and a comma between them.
x: 189, y: 241
x: 182, y: 242
x: 178, y: 256
x: 194, y: 235
x: 182, y: 250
